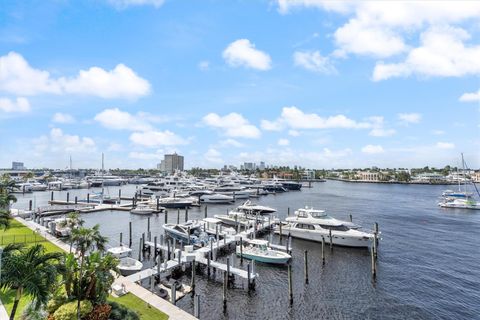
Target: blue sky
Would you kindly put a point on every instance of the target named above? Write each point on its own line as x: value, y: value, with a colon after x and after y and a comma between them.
x: 320, y: 84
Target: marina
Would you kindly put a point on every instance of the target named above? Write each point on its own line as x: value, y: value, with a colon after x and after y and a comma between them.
x: 324, y: 266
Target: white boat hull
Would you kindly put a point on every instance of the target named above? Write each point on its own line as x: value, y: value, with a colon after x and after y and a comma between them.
x: 337, y: 239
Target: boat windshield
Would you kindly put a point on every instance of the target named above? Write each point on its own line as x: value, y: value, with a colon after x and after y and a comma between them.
x: 335, y: 228
x: 319, y: 214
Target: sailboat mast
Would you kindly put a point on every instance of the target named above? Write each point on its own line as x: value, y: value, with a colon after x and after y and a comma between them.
x: 464, y: 176
x: 103, y: 164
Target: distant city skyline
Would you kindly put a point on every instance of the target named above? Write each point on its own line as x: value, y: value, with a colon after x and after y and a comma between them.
x: 318, y: 84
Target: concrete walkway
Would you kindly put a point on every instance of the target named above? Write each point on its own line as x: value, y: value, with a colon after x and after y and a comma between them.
x: 173, y: 312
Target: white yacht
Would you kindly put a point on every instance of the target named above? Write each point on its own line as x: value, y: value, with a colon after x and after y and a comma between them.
x: 127, y: 264
x: 189, y: 232
x: 142, y: 210
x: 253, y: 208
x: 213, y: 197
x: 235, y: 218
x: 460, y: 203
x: 311, y: 224
x: 259, y: 250
x: 211, y: 225
x: 37, y: 186
x: 120, y: 252
x: 233, y: 191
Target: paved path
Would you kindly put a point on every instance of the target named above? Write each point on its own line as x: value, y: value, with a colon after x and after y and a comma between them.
x: 173, y: 312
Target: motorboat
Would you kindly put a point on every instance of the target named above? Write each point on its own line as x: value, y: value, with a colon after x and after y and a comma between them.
x: 189, y: 232
x: 234, y: 218
x: 213, y: 197
x: 129, y: 266
x: 174, y: 202
x: 213, y: 225
x: 291, y: 185
x: 457, y: 194
x: 274, y: 187
x: 259, y: 250
x: 142, y: 210
x: 315, y: 225
x: 22, y: 188
x: 252, y: 208
x: 120, y: 252
x: 37, y: 186
x: 460, y: 203
x: 233, y: 191
x: 60, y: 228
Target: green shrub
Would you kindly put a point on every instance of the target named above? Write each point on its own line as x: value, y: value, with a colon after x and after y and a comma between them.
x: 120, y: 312
x: 68, y: 311
x: 55, y: 303
x: 31, y: 313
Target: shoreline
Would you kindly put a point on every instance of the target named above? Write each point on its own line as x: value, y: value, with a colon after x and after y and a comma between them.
x: 394, y: 182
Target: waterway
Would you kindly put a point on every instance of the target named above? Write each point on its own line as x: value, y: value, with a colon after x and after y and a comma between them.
x: 428, y: 257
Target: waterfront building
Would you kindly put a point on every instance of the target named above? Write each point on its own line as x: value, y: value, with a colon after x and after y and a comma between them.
x: 17, y: 166
x: 429, y: 177
x: 171, y: 163
x: 308, y: 174
x: 262, y: 165
x: 368, y: 176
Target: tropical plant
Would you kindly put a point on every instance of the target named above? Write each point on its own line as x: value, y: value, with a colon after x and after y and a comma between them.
x: 68, y: 311
x: 120, y: 312
x: 30, y: 271
x: 32, y: 313
x: 5, y: 218
x: 85, y: 240
x: 6, y: 198
x: 28, y: 176
x: 73, y: 221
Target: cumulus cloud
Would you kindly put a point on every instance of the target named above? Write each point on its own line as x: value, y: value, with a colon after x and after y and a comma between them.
x: 445, y: 145
x: 58, y: 142
x: 231, y: 143
x: 407, y: 118
x: 232, y: 124
x: 242, y: 53
x: 470, y: 97
x: 122, y: 4
x: 295, y: 118
x: 157, y: 138
x: 63, y: 118
x: 372, y: 149
x: 378, y: 127
x: 313, y: 61
x: 121, y: 120
x: 442, y: 53
x: 271, y: 125
x: 293, y: 133
x: 19, y: 105
x: 283, y: 142
x: 18, y: 77
x: 204, y: 65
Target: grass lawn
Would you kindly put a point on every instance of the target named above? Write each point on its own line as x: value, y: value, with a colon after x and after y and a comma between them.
x: 145, y: 311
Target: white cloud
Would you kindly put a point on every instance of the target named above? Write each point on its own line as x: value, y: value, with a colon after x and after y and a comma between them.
x: 122, y: 4
x: 114, y: 147
x: 445, y: 145
x: 271, y: 125
x: 157, y: 138
x: 233, y: 125
x: 204, y: 65
x: 18, y: 77
x: 372, y: 149
x: 57, y: 142
x: 243, y: 53
x: 213, y: 156
x: 20, y: 105
x: 297, y: 119
x: 313, y: 61
x: 293, y: 133
x: 63, y: 118
x: 408, y: 118
x: 120, y: 120
x: 283, y: 142
x: 442, y: 53
x: 378, y: 127
x: 231, y: 143
x: 470, y: 97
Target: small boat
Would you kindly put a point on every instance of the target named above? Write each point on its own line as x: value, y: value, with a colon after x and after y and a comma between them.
x: 211, y: 225
x: 128, y: 266
x: 61, y: 227
x: 176, y: 203
x: 120, y: 252
x: 234, y: 218
x: 291, y: 185
x: 259, y: 250
x: 189, y: 232
x: 252, y: 208
x: 460, y: 203
x: 142, y: 209
x: 216, y: 198
x: 457, y: 194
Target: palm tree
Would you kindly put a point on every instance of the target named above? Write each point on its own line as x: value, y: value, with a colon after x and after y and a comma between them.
x: 5, y: 218
x: 6, y: 197
x: 30, y: 271
x: 73, y: 221
x: 86, y: 239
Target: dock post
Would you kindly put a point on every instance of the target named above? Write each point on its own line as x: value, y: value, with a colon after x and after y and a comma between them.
x: 168, y: 250
x: 228, y: 267
x: 174, y: 293
x: 374, y: 265
x: 30, y: 204
x: 161, y: 240
x: 193, y: 276
x: 206, y: 209
x: 216, y: 232
x: 76, y: 199
x: 196, y: 306
x: 130, y: 234
x: 186, y: 214
x: 323, y: 250
x: 351, y: 218
x: 152, y: 283
x: 211, y: 249
x: 241, y: 251
x: 224, y: 290
x: 280, y: 230
x: 121, y: 239
x: 305, y: 258
x: 376, y: 234
x: 158, y: 268
x: 208, y: 263
x: 286, y: 246
x: 166, y: 216
x: 290, y: 284
x: 374, y: 247
x: 140, y: 250
x: 143, y: 241
x: 178, y: 216
x: 51, y: 196
x: 330, y: 236
x: 148, y: 225
x: 288, y: 211
x: 188, y: 230
x: 119, y: 194
x: 154, y: 247
x: 248, y: 276
x: 68, y: 197
x: 88, y: 197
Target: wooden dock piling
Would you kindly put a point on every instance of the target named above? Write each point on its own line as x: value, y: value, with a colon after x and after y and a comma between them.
x: 130, y: 234
x: 121, y: 238
x: 68, y: 196
x: 154, y: 247
x: 331, y: 240
x: 51, y: 196
x: 241, y: 251
x: 193, y: 275
x: 166, y: 216
x: 76, y: 199
x: 248, y: 276
x: 186, y: 214
x: 323, y: 250
x: 290, y: 284
x: 196, y: 306
x: 351, y: 218
x: 374, y: 265
x: 206, y: 209
x: 174, y: 293
x: 224, y: 290
x: 178, y: 216
x: 305, y: 260
x: 30, y: 204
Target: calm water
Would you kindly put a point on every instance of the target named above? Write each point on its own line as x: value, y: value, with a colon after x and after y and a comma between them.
x: 428, y: 263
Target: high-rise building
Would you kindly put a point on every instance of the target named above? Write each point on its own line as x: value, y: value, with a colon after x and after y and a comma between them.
x: 262, y: 165
x: 170, y: 163
x: 17, y: 166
